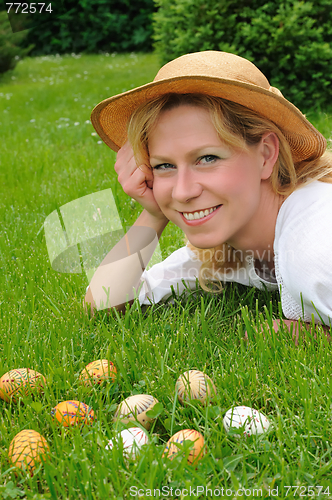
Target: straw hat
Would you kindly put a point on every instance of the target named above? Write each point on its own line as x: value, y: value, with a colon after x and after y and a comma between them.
x: 217, y: 74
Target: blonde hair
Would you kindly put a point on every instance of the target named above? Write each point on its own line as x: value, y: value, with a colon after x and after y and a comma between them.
x: 238, y: 127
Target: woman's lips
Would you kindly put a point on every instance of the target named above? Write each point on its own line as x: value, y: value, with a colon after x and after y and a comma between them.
x: 198, y: 222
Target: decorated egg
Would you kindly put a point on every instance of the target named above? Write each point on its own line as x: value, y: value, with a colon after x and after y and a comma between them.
x: 194, y: 385
x: 20, y: 382
x: 27, y: 449
x: 70, y: 413
x: 134, y: 409
x: 175, y: 443
x: 133, y: 439
x: 254, y: 421
x: 98, y: 372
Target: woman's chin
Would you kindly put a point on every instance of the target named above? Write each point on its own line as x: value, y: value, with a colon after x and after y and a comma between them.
x: 203, y: 244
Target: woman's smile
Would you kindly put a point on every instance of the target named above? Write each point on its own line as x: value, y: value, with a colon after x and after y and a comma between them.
x: 207, y: 189
x: 199, y: 217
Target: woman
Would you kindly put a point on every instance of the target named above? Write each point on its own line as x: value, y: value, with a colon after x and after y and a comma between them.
x: 222, y: 154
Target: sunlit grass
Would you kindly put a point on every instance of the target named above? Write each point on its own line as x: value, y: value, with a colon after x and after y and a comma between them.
x: 50, y: 156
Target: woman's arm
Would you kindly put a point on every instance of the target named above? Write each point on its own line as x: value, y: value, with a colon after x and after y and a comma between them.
x: 117, y: 277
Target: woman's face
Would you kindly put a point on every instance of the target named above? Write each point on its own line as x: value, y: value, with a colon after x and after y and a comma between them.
x: 195, y: 171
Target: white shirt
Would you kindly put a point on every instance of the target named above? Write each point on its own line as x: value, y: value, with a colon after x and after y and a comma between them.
x: 302, y: 258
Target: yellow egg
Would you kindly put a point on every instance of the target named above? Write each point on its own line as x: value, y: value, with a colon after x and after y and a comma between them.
x: 20, y: 382
x: 97, y: 372
x: 71, y: 412
x: 194, y: 385
x: 134, y: 409
x: 27, y: 449
x: 197, y: 450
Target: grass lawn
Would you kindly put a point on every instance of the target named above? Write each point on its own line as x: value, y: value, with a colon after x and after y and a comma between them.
x: 50, y: 156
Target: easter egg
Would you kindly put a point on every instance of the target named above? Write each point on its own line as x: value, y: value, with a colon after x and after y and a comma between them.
x: 70, y: 413
x: 20, y: 382
x: 194, y: 385
x: 27, y: 449
x: 133, y: 439
x: 134, y: 409
x: 98, y: 372
x: 254, y: 421
x: 196, y: 452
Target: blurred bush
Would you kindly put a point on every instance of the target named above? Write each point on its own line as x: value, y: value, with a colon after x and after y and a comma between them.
x: 290, y: 41
x: 10, y: 49
x: 93, y: 26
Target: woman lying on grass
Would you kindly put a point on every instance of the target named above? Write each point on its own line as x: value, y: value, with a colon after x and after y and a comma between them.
x: 215, y: 149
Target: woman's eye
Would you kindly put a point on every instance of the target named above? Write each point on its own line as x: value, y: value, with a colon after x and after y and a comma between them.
x: 163, y: 166
x: 208, y: 159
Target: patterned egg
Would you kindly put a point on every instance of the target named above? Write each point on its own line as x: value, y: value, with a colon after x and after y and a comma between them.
x: 70, y: 413
x: 97, y: 372
x: 254, y: 421
x: 134, y: 409
x: 133, y: 439
x: 194, y: 385
x: 20, y: 382
x: 197, y: 451
x: 27, y: 449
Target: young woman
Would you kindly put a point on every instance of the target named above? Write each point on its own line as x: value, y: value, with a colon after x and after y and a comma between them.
x: 212, y: 147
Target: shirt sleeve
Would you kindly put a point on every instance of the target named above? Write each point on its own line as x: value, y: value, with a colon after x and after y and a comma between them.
x: 304, y: 254
x: 181, y: 266
x: 181, y: 271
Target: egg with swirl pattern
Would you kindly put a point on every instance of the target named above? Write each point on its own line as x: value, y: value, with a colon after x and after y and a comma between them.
x: 134, y: 409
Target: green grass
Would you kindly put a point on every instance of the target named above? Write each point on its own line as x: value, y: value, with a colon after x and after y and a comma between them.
x: 46, y: 161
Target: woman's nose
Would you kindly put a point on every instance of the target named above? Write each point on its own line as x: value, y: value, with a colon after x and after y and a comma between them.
x: 186, y: 186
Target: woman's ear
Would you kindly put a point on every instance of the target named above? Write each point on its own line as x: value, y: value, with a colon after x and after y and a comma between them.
x: 270, y: 152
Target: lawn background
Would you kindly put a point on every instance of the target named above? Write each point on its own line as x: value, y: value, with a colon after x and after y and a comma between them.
x: 49, y: 157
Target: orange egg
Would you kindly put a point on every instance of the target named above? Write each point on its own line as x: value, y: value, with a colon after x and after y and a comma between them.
x: 97, y: 372
x: 20, y: 382
x: 70, y: 413
x: 197, y: 450
x: 27, y: 449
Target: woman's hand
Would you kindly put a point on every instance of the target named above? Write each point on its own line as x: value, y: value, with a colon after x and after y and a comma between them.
x: 293, y: 327
x: 136, y: 181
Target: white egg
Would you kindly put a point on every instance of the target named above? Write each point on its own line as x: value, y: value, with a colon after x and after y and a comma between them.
x: 254, y: 421
x: 133, y: 439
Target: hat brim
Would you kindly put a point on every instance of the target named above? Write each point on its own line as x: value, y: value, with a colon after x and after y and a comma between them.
x: 110, y: 117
